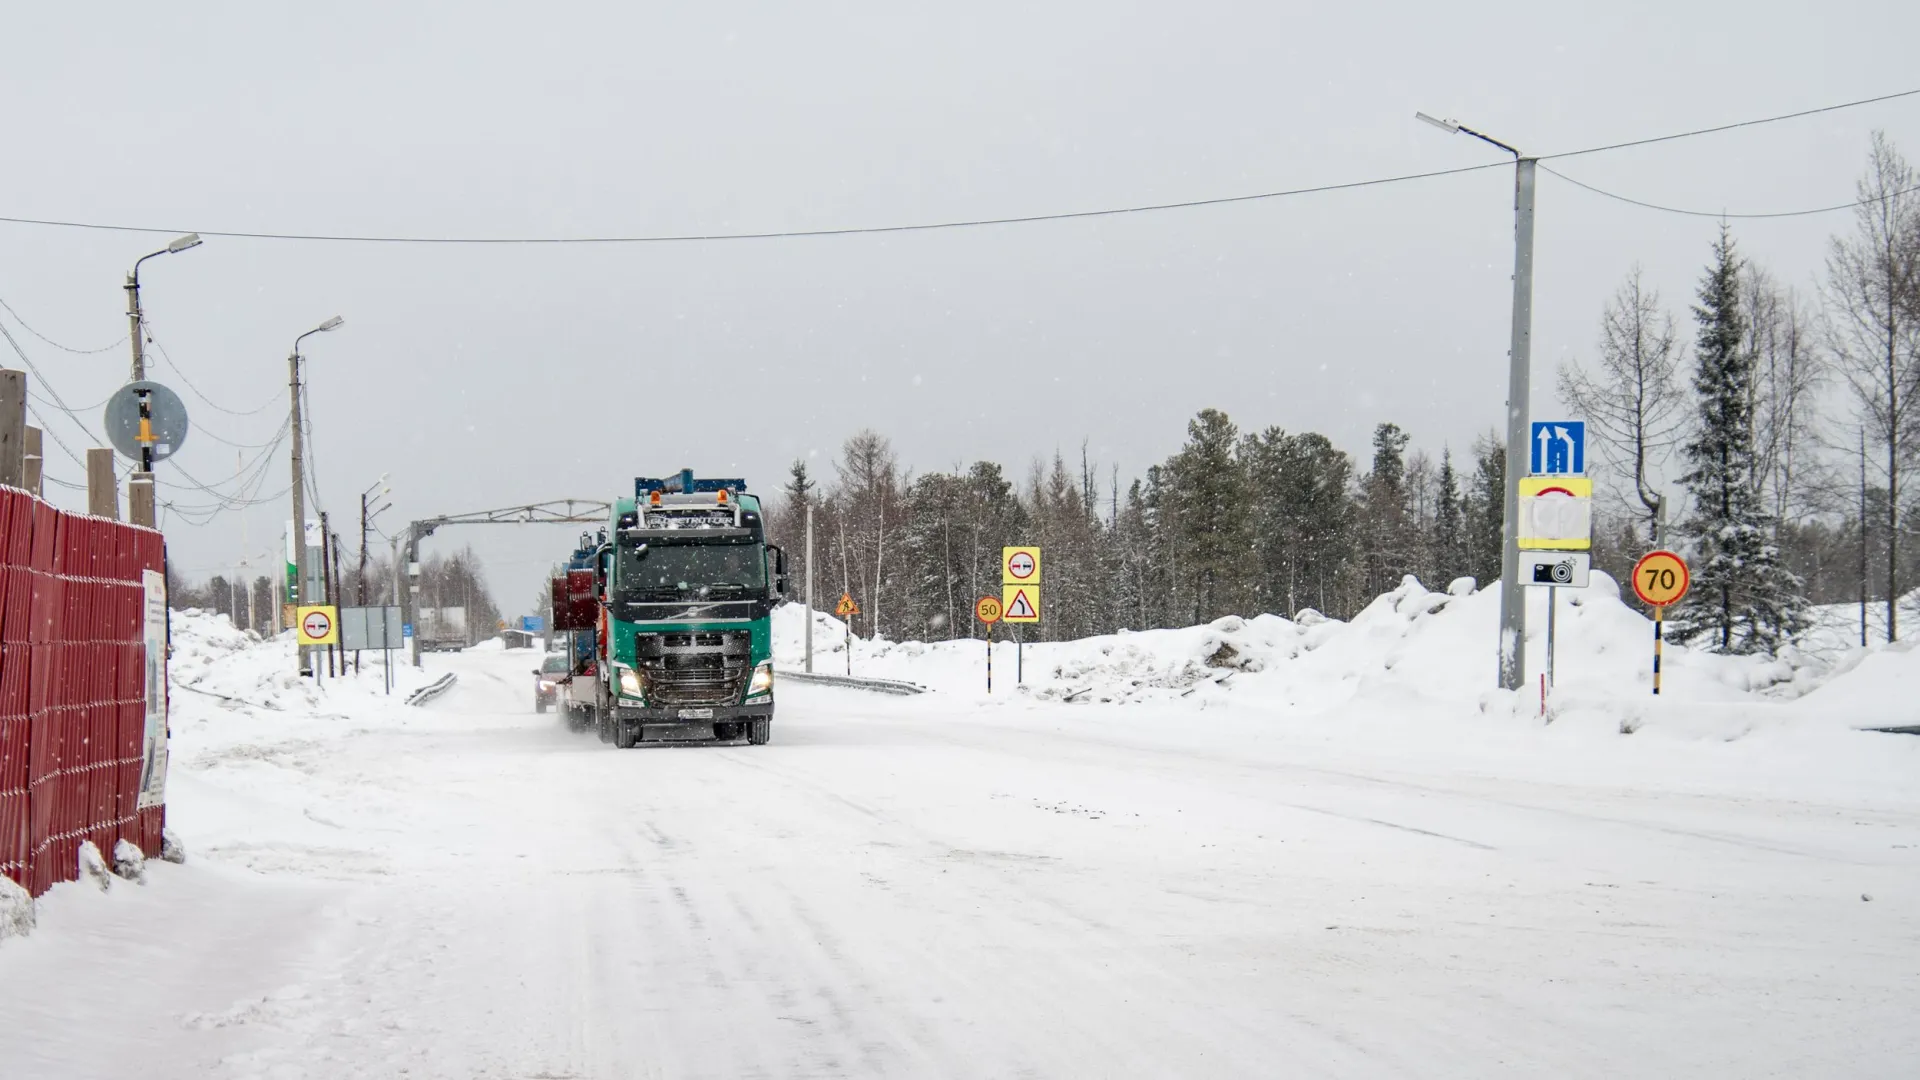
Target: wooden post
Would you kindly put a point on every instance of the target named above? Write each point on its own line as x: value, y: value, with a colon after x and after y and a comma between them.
x: 140, y: 508
x: 35, y: 462
x: 13, y: 427
x: 103, y: 488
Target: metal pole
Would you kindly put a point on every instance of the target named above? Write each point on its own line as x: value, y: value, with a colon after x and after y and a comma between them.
x: 403, y: 577
x: 1552, y: 606
x: 133, y: 323
x: 1513, y: 604
x: 809, y: 588
x: 326, y: 577
x: 299, y: 504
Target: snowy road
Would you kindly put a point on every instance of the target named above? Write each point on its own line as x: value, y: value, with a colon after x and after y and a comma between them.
x: 923, y: 887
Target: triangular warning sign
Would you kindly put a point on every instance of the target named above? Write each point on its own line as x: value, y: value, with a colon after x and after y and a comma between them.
x: 846, y: 606
x: 1021, y: 607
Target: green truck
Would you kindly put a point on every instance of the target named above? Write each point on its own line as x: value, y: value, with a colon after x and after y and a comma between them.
x: 684, y: 583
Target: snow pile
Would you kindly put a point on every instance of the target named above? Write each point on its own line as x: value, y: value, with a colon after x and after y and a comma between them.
x: 1411, y: 650
x: 16, y: 909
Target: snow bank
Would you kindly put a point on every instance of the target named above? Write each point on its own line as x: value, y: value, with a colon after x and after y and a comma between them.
x: 1413, y: 651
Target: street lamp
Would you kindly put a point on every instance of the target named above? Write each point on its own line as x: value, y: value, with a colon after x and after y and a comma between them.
x: 134, y: 321
x: 299, y: 478
x: 1513, y: 607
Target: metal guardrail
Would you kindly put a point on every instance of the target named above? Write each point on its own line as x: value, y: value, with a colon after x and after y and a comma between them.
x: 851, y: 682
x: 433, y: 689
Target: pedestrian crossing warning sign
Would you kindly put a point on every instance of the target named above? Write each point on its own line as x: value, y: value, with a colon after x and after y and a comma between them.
x: 1020, y: 603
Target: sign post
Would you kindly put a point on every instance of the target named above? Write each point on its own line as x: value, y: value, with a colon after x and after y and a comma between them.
x: 1556, y: 521
x: 847, y: 609
x: 987, y: 610
x: 1660, y: 580
x: 1019, y: 598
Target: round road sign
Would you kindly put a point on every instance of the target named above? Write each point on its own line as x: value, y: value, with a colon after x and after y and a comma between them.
x: 987, y: 609
x: 166, y: 420
x: 316, y: 626
x: 1660, y: 578
x: 1020, y: 565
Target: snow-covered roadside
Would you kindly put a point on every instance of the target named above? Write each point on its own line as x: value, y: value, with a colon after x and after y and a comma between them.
x: 1378, y: 884
x: 1412, y: 652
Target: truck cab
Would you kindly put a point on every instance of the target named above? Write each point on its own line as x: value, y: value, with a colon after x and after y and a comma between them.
x: 687, y: 589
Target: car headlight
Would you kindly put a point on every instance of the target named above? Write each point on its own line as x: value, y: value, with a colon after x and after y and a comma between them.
x: 545, y: 686
x: 762, y: 680
x: 630, y: 685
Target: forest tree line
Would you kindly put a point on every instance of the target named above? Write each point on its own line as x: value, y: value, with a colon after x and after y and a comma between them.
x: 1772, y: 442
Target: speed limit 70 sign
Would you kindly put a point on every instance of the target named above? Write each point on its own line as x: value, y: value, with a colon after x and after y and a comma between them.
x: 1660, y: 579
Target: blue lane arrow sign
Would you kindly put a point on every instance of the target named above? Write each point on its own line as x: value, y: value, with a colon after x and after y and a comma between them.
x: 1559, y: 448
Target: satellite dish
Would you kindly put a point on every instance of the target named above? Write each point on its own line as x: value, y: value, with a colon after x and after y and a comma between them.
x: 166, y: 415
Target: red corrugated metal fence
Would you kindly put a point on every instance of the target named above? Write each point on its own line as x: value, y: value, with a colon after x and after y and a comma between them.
x: 72, y: 688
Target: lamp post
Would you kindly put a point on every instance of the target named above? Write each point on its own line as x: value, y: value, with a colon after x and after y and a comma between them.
x: 1513, y: 606
x: 299, y: 480
x: 134, y: 319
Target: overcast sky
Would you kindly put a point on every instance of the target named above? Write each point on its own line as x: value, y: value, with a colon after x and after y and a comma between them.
x: 490, y: 376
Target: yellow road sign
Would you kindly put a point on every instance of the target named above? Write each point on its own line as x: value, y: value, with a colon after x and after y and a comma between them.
x: 1020, y: 566
x: 1660, y: 578
x: 317, y: 625
x: 1020, y: 603
x: 846, y: 606
x: 987, y: 609
x: 1556, y: 513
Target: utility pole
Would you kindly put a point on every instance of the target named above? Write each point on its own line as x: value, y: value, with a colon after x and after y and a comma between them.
x: 299, y: 504
x: 361, y: 575
x: 300, y: 481
x: 135, y: 322
x: 13, y: 428
x: 326, y: 577
x: 809, y: 587
x: 1513, y: 602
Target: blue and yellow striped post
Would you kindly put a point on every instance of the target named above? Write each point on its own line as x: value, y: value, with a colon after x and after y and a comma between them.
x: 1658, y: 614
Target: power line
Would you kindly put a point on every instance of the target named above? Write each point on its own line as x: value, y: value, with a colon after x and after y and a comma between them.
x: 177, y: 370
x: 24, y: 325
x: 1723, y: 214
x: 964, y: 223
x: 1730, y: 127
x: 785, y: 234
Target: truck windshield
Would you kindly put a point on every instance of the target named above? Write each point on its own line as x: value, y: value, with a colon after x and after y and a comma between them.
x: 690, y: 571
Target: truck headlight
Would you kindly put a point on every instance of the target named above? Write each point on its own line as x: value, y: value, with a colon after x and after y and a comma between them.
x: 630, y: 685
x: 762, y: 682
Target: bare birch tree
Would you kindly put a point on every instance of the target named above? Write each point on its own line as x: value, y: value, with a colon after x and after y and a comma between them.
x: 1786, y: 376
x: 1872, y: 327
x: 1633, y: 403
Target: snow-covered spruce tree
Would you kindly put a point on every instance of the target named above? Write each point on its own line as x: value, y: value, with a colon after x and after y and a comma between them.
x: 1742, y: 600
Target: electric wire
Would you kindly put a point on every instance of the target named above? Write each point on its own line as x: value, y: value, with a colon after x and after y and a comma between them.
x: 197, y: 392
x: 1725, y: 214
x: 28, y: 327
x: 962, y: 223
x: 1730, y: 127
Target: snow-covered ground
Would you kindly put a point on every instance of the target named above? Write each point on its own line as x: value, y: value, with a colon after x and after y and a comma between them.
x: 1259, y: 848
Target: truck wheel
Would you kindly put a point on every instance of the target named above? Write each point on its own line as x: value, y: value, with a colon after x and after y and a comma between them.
x: 626, y: 734
x: 761, y: 732
x: 574, y: 723
x: 602, y: 725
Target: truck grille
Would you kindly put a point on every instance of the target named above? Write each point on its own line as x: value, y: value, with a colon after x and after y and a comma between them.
x: 694, y: 668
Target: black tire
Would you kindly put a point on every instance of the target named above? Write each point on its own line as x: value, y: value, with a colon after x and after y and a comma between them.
x: 602, y: 725
x: 626, y: 734
x: 576, y: 721
x: 760, y: 732
x: 539, y: 704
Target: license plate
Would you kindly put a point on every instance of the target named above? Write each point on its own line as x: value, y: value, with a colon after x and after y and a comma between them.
x: 696, y: 714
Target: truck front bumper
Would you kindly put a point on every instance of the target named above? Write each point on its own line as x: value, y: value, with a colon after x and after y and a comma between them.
x: 668, y: 723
